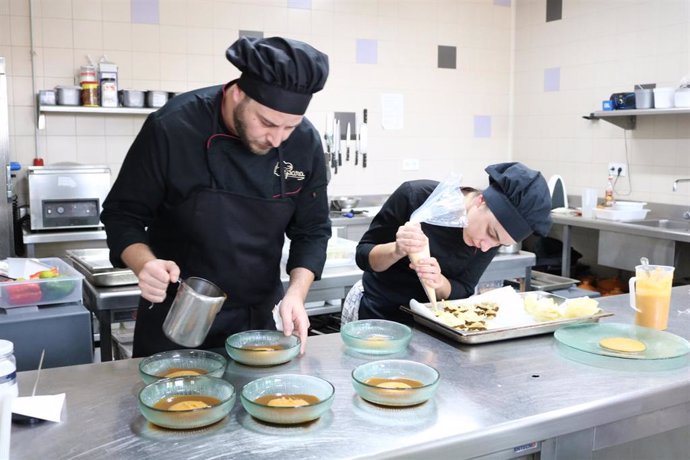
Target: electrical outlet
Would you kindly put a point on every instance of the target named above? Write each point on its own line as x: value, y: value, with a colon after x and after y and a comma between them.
x: 410, y: 164
x: 615, y: 167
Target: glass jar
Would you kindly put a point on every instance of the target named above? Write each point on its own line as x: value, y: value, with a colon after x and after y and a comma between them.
x: 8, y: 368
x: 89, y: 94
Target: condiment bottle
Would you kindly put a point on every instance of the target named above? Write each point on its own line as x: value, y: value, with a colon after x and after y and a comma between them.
x: 89, y: 94
x: 8, y: 391
x: 608, y: 194
x: 108, y: 92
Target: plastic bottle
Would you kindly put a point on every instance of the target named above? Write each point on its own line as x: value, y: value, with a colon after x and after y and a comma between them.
x: 608, y: 195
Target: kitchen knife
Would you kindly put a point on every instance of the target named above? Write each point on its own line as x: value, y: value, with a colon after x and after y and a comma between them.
x: 338, y: 143
x: 363, y: 143
x: 347, y: 143
x: 356, y: 144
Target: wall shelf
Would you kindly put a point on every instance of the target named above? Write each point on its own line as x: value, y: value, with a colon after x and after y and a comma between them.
x: 74, y: 109
x: 627, y: 119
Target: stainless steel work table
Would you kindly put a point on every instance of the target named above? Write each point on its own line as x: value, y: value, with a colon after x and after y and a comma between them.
x: 113, y: 304
x: 630, y: 228
x: 31, y: 239
x: 498, y: 399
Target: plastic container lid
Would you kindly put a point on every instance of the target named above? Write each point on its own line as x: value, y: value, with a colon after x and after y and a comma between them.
x: 6, y: 347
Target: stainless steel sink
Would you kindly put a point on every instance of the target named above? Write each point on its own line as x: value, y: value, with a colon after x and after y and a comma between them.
x: 665, y: 224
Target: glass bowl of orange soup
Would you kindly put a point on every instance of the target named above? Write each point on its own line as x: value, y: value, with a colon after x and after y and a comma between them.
x: 180, y: 363
x: 183, y: 403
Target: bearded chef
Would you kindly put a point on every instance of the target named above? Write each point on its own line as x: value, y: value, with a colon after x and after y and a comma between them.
x: 213, y: 183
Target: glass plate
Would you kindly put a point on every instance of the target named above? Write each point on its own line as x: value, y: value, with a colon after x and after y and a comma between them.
x: 660, y: 345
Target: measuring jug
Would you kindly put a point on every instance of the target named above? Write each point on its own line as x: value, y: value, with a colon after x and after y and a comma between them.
x: 650, y: 295
x: 192, y: 312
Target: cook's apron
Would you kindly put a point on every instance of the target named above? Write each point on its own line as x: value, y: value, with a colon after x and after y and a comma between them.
x: 231, y: 239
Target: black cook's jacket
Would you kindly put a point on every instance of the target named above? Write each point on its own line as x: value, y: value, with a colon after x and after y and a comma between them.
x: 167, y: 161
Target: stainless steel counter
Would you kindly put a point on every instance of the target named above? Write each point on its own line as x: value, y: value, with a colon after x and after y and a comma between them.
x: 628, y: 228
x: 501, y: 399
x: 31, y: 239
x: 112, y: 304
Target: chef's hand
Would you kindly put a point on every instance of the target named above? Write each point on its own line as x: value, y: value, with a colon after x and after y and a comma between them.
x: 429, y: 271
x: 154, y: 278
x: 295, y: 318
x: 410, y: 239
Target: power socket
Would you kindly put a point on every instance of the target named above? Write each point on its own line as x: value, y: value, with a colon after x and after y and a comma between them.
x: 615, y: 167
x: 410, y: 164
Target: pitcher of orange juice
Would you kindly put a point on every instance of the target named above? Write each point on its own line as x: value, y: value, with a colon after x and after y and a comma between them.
x: 650, y: 295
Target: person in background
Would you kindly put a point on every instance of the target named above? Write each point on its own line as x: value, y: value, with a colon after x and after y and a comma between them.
x: 213, y: 182
x: 516, y: 204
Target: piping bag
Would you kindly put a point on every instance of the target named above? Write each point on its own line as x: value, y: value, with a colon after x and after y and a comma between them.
x: 444, y: 207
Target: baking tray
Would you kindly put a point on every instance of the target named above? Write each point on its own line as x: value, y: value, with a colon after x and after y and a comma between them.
x: 95, y: 265
x: 495, y: 335
x: 547, y: 282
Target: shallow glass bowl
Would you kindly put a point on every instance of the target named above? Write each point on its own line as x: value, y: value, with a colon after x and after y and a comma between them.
x: 193, y: 385
x: 287, y: 384
x: 395, y: 369
x: 204, y: 362
x: 376, y: 336
x: 253, y: 348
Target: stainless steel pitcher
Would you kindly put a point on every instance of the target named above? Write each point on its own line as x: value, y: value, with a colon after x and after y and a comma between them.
x: 191, y: 314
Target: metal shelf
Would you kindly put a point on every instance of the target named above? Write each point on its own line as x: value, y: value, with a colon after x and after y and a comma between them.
x: 95, y: 110
x: 627, y: 119
x: 75, y: 109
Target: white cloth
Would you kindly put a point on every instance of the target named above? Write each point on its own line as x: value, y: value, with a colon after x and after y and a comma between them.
x: 351, y: 305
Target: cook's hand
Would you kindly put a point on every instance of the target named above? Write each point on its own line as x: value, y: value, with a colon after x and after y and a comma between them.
x: 295, y: 319
x: 429, y: 271
x: 155, y: 277
x: 410, y: 239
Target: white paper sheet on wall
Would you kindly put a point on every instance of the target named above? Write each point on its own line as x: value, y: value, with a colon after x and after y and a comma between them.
x: 392, y: 107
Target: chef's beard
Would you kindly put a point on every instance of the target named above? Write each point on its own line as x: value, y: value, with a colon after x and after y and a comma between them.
x: 238, y: 115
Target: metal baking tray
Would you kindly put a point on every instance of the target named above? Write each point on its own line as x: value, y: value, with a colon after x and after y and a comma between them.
x: 548, y: 282
x: 494, y: 335
x: 95, y: 265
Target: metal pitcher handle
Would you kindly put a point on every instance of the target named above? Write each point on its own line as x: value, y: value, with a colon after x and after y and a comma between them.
x: 179, y: 283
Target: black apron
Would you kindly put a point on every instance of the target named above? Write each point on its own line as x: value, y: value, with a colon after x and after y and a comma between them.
x: 233, y: 240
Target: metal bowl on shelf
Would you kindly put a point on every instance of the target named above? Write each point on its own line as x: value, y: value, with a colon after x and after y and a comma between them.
x: 344, y: 203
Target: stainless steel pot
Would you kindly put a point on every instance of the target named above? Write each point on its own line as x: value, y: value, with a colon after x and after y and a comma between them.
x: 510, y: 248
x: 191, y: 314
x: 345, y: 203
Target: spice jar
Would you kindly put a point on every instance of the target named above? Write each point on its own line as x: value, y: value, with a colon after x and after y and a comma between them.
x: 89, y: 94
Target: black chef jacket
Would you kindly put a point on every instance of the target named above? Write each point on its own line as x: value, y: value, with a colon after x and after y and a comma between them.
x: 167, y: 161
x: 385, y: 291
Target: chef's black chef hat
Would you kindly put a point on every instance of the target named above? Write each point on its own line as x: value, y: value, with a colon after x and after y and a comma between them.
x: 279, y: 73
x: 519, y: 198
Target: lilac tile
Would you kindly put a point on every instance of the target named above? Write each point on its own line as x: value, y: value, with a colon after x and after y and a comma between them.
x: 367, y: 51
x: 145, y: 12
x: 299, y: 4
x: 502, y: 2
x: 482, y: 126
x: 552, y: 79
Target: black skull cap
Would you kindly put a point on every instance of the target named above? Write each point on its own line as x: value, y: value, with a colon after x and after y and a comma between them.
x: 279, y: 73
x: 520, y: 199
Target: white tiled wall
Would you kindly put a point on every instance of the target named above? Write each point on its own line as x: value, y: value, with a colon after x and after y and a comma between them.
x: 186, y: 50
x: 600, y: 47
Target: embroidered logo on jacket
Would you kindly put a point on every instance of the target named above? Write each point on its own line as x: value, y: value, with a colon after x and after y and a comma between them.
x: 290, y: 171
